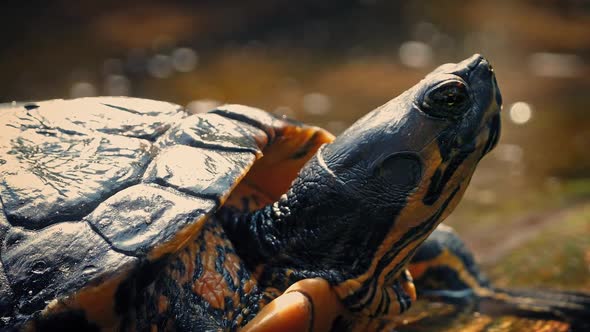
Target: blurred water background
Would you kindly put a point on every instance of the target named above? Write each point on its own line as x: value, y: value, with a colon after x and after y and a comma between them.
x: 527, y: 212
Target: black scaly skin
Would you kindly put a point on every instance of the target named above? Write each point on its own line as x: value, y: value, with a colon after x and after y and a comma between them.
x: 171, y: 302
x: 283, y: 235
x: 452, y: 276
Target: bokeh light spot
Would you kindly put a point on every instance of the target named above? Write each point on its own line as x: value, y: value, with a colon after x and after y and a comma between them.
x: 160, y: 66
x: 555, y: 65
x: 520, y: 112
x: 112, y: 66
x: 511, y: 153
x: 184, y: 59
x: 82, y: 89
x: 415, y: 54
x: 316, y: 104
x: 202, y: 105
x: 117, y: 85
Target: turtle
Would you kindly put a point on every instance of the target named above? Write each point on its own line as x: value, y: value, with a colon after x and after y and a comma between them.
x: 132, y: 214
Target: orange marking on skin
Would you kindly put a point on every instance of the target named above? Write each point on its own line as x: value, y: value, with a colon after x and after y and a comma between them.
x: 97, y: 302
x: 232, y: 265
x: 255, y: 198
x: 162, y: 304
x: 249, y: 285
x: 178, y: 275
x: 272, y: 292
x: 239, y: 319
x: 210, y: 287
x: 258, y: 271
x: 180, y: 239
x: 279, y: 157
x: 288, y: 273
x: 446, y: 258
x: 410, y: 288
x: 188, y: 260
x: 414, y: 213
x: 405, y: 252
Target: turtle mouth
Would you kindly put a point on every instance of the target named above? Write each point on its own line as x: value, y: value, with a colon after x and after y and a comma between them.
x: 494, y: 134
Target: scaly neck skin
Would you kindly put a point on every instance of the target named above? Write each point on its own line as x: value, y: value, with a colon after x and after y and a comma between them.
x: 311, y: 231
x: 258, y: 240
x: 255, y: 235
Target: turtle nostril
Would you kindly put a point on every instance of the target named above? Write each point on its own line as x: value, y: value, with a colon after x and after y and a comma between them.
x: 474, y: 61
x: 486, y: 64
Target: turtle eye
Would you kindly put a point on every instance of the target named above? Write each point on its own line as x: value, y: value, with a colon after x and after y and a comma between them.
x: 449, y: 99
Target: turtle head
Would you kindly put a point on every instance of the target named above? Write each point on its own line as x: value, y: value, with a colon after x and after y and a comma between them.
x: 411, y: 155
x: 426, y: 140
x: 363, y: 204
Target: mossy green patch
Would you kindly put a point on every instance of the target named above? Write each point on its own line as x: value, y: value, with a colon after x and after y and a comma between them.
x: 559, y: 256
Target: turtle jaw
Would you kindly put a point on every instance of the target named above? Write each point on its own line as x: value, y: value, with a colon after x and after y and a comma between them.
x: 495, y: 123
x: 488, y: 134
x: 494, y: 129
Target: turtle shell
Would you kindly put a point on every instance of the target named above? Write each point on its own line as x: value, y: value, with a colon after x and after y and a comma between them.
x: 91, y: 188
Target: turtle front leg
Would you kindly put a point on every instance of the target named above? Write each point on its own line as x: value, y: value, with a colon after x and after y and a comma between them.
x: 314, y: 305
x: 444, y: 270
x: 308, y: 305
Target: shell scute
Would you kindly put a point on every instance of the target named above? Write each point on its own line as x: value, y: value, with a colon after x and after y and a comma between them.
x: 51, y: 262
x: 141, y: 217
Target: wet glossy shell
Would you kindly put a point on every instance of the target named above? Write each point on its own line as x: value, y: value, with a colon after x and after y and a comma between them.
x: 92, y: 187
